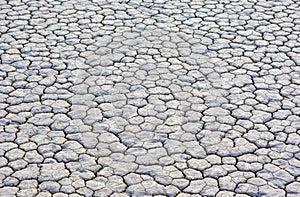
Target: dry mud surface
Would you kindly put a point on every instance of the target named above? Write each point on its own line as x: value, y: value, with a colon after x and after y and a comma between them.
x: 149, y: 98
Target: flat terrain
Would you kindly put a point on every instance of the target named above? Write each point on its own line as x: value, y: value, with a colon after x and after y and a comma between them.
x: 149, y: 98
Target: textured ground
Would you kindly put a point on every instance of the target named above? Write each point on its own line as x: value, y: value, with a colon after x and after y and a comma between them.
x: 149, y: 98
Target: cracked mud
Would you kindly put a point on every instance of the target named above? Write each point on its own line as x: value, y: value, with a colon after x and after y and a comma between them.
x: 149, y: 98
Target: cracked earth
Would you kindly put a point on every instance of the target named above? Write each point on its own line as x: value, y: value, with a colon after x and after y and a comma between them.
x: 149, y: 98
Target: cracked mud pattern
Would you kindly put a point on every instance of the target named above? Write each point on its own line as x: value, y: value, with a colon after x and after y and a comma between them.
x: 149, y: 98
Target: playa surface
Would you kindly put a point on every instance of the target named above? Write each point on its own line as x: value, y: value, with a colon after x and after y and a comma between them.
x: 149, y: 98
